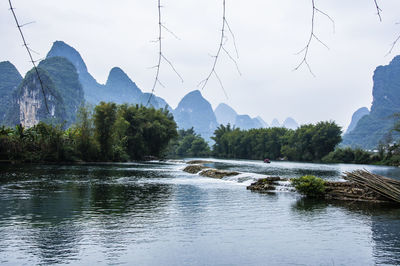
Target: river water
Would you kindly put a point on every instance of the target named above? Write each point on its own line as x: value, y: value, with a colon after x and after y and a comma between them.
x: 155, y: 214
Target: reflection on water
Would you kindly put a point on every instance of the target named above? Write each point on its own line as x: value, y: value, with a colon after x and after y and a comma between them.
x: 155, y: 214
x: 383, y: 220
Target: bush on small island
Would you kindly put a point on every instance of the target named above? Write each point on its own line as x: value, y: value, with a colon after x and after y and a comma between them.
x: 309, y: 186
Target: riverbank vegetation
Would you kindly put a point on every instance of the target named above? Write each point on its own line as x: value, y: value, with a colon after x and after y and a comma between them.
x: 307, y: 143
x: 309, y: 185
x: 111, y: 132
x: 108, y: 133
x: 188, y: 144
x: 388, y: 154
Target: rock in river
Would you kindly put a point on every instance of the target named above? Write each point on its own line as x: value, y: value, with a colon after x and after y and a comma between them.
x: 194, y: 168
x: 215, y: 173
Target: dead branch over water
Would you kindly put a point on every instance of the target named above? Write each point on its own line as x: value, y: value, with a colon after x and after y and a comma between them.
x: 221, y: 48
x: 29, y: 50
x: 312, y: 37
x: 161, y: 55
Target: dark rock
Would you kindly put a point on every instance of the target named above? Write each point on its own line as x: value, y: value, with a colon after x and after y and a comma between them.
x: 194, y: 169
x: 198, y: 162
x: 265, y: 184
x: 215, y: 173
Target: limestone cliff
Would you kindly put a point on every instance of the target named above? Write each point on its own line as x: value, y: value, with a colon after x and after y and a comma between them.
x: 9, y: 81
x: 376, y: 127
x: 29, y: 107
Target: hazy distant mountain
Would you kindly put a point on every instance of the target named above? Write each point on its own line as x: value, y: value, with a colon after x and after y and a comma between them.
x: 262, y: 122
x: 94, y: 92
x: 120, y: 88
x: 245, y: 122
x: 373, y: 128
x: 225, y: 114
x: 10, y: 78
x: 195, y: 111
x: 65, y: 77
x: 360, y: 113
x: 290, y: 123
x: 275, y: 123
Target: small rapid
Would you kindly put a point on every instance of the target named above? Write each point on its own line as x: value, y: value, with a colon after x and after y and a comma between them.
x: 246, y: 179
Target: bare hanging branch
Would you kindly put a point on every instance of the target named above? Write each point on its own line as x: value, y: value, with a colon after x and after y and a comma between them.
x: 221, y: 47
x: 378, y: 10
x: 29, y: 50
x: 394, y: 44
x: 161, y: 55
x: 312, y: 36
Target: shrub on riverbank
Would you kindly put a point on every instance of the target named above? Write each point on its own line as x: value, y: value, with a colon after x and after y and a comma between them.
x: 349, y: 155
x: 309, y: 186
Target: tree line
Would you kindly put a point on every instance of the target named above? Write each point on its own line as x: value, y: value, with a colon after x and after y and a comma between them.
x: 109, y: 132
x: 307, y: 143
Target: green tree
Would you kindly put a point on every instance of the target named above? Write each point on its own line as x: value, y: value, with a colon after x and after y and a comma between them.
x: 188, y: 144
x: 104, y: 119
x: 83, y: 132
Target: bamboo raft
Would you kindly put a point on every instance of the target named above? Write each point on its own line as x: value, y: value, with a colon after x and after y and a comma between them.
x: 387, y: 188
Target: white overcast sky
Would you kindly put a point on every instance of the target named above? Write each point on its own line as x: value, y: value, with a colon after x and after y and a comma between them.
x: 268, y: 35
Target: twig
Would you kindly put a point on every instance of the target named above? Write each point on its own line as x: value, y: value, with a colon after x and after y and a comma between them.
x: 161, y: 55
x: 312, y: 36
x: 378, y: 10
x: 393, y: 45
x: 19, y: 26
x: 221, y: 47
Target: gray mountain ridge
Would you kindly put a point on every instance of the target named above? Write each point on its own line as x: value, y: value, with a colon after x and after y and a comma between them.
x: 192, y: 111
x: 376, y: 127
x: 360, y: 113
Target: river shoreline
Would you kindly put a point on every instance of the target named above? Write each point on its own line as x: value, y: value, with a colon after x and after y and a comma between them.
x: 334, y: 190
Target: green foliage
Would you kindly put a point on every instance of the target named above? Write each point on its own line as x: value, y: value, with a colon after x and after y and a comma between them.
x: 309, y: 186
x: 42, y: 142
x: 312, y: 142
x: 307, y: 143
x: 147, y: 130
x: 113, y: 133
x: 188, y: 144
x: 349, y: 155
x: 104, y: 117
x: 83, y: 133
